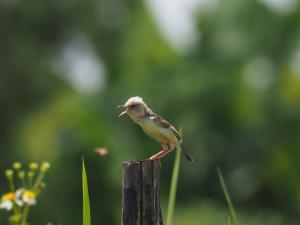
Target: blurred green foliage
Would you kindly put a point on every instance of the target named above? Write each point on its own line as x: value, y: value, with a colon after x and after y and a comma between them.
x: 236, y: 93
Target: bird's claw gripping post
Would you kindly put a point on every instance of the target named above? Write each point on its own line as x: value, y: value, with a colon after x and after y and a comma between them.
x: 157, y: 155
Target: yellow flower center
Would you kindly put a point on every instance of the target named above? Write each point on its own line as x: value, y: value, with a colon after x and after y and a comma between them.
x: 29, y: 194
x: 8, y: 197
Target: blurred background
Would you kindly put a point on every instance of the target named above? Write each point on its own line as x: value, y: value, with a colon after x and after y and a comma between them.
x: 227, y: 71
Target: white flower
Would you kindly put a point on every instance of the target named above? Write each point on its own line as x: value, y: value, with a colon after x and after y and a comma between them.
x: 7, y: 201
x: 6, y: 205
x: 19, y: 196
x: 24, y: 196
x: 29, y: 197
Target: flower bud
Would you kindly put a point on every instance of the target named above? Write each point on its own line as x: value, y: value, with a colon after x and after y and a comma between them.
x: 9, y: 174
x: 17, y: 165
x: 45, y: 167
x: 30, y: 174
x: 21, y: 174
x: 33, y: 166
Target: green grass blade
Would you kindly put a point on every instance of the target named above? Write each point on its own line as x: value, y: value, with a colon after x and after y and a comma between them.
x: 85, y: 198
x: 227, y: 196
x: 228, y: 220
x: 173, y: 189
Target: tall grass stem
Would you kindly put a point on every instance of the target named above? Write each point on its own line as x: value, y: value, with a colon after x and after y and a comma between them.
x: 173, y: 189
x: 227, y: 196
x: 85, y: 198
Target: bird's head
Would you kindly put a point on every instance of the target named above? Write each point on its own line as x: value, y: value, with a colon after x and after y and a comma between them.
x: 135, y: 107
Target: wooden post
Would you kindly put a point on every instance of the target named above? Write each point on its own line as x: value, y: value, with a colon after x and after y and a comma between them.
x: 140, y: 193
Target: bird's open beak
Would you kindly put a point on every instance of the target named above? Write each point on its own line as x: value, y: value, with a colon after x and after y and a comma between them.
x: 124, y: 112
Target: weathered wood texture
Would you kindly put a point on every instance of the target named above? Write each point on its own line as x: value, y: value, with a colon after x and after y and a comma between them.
x: 140, y: 193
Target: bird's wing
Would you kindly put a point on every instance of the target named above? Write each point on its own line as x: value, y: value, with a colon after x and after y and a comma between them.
x: 164, y: 124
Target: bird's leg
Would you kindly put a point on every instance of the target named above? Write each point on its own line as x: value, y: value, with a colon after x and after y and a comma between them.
x: 157, y: 155
x: 172, y: 147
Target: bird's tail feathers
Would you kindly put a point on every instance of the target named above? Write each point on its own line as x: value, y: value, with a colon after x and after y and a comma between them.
x: 186, y: 153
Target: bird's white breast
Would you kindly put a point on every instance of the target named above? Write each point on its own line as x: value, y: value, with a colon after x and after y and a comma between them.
x: 160, y: 134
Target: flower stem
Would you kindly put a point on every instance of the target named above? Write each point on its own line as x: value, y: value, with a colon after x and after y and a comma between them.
x: 38, y: 181
x: 30, y: 182
x: 11, y: 185
x: 25, y: 215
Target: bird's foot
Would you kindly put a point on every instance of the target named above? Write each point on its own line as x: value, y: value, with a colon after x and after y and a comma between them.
x: 154, y: 157
x: 158, y: 160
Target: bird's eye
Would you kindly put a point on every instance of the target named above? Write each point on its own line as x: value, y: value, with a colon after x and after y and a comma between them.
x: 132, y: 106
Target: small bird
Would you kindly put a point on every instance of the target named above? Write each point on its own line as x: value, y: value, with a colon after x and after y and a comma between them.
x: 155, y: 126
